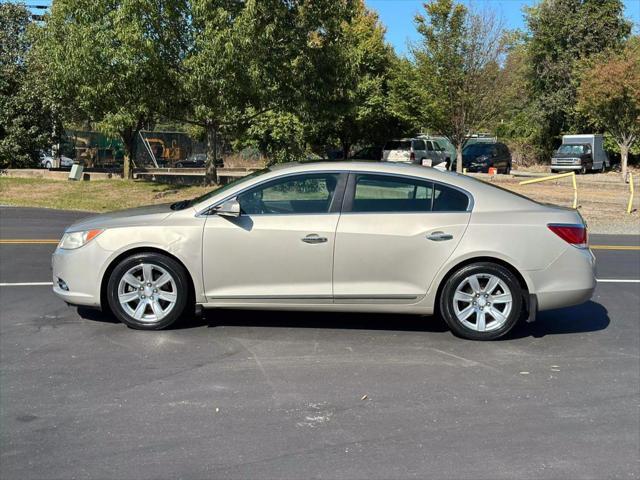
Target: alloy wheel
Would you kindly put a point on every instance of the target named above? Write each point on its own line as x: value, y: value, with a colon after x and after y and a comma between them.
x: 147, y: 292
x: 482, y: 302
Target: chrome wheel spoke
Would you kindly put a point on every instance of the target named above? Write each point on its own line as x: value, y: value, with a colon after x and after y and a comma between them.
x: 140, y: 309
x: 147, y: 272
x: 164, y: 278
x: 128, y: 297
x: 467, y: 312
x: 497, y: 314
x: 131, y: 280
x: 463, y: 297
x: 502, y: 298
x: 167, y: 296
x: 481, y: 322
x: 474, y: 283
x: 157, y: 309
x: 491, y: 284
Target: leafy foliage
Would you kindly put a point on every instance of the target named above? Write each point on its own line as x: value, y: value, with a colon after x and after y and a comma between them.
x: 562, y: 33
x: 112, y: 63
x: 26, y: 123
x: 457, y: 67
x: 609, y: 96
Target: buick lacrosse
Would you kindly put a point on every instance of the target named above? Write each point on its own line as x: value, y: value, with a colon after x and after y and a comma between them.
x: 341, y: 236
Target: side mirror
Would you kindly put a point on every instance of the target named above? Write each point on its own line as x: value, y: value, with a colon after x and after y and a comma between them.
x: 230, y: 208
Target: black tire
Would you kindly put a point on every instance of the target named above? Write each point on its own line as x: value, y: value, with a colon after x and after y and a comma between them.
x: 583, y: 169
x: 446, y: 303
x: 47, y: 165
x: 176, y: 271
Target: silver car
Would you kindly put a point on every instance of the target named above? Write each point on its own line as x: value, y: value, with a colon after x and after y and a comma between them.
x: 339, y: 236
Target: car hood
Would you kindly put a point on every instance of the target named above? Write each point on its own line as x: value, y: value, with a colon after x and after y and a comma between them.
x: 139, y: 216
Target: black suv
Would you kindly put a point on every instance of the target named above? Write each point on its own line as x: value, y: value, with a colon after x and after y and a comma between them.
x: 480, y: 156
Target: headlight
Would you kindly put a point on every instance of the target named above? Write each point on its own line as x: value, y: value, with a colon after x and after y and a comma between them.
x: 73, y: 240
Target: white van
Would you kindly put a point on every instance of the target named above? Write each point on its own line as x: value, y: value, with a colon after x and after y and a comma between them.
x: 580, y: 153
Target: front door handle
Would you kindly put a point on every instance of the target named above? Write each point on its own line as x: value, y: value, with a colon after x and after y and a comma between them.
x: 439, y: 236
x: 314, y: 238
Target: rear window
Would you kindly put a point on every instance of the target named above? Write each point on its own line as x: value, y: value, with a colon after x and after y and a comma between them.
x: 447, y: 199
x: 478, y: 149
x: 398, y: 145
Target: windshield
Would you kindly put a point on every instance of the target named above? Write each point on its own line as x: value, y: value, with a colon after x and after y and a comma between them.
x: 573, y: 149
x: 398, y: 145
x: 188, y: 203
x: 477, y: 149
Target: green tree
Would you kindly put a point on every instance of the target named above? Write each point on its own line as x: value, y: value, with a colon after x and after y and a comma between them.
x: 249, y: 58
x: 362, y: 110
x: 456, y: 66
x: 563, y: 33
x: 113, y: 63
x: 26, y: 122
x: 609, y: 96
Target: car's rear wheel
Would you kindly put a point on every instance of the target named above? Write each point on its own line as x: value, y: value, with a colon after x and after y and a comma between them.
x: 481, y: 301
x: 148, y: 291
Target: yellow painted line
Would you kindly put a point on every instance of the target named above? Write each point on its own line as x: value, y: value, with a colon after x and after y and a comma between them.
x: 28, y: 241
x: 614, y: 247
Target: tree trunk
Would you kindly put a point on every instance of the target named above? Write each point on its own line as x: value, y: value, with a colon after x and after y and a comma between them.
x: 459, y: 158
x: 211, y: 174
x: 624, y: 158
x: 346, y: 147
x: 130, y: 145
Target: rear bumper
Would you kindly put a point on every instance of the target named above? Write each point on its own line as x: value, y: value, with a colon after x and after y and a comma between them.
x: 569, y: 280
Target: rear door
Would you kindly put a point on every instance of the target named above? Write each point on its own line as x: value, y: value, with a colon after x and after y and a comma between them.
x: 394, y: 234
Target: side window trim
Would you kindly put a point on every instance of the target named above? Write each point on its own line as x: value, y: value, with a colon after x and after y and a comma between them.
x: 350, y: 191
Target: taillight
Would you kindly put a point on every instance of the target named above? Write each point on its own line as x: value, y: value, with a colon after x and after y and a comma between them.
x: 576, y: 235
x: 412, y: 156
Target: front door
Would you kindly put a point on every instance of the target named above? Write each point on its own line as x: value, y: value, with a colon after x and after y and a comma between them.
x: 281, y: 246
x: 394, y: 235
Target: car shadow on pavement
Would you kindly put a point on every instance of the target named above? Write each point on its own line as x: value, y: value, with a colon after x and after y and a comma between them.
x: 583, y: 318
x: 588, y: 317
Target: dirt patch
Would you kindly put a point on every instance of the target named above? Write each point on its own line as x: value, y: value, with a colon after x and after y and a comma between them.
x: 602, y: 199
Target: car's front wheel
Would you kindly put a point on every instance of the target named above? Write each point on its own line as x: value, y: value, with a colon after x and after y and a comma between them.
x: 148, y: 291
x: 481, y: 301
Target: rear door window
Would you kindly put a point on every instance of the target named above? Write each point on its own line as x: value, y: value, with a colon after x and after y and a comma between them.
x: 448, y: 199
x: 382, y: 193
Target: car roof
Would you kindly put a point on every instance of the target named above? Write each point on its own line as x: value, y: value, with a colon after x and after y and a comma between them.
x: 490, y: 197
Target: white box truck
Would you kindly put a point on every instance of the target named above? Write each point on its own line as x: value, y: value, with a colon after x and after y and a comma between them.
x: 580, y: 153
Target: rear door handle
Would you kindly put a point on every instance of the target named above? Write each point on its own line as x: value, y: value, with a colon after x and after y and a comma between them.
x: 439, y: 236
x: 314, y: 238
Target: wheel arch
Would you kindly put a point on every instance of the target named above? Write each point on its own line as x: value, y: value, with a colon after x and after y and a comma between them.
x: 483, y: 258
x: 104, y: 304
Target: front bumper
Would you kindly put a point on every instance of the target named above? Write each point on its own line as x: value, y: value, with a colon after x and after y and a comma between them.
x: 569, y: 280
x: 566, y: 168
x: 80, y: 270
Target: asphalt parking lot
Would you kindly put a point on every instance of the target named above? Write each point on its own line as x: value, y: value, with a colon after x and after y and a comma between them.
x: 297, y: 395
